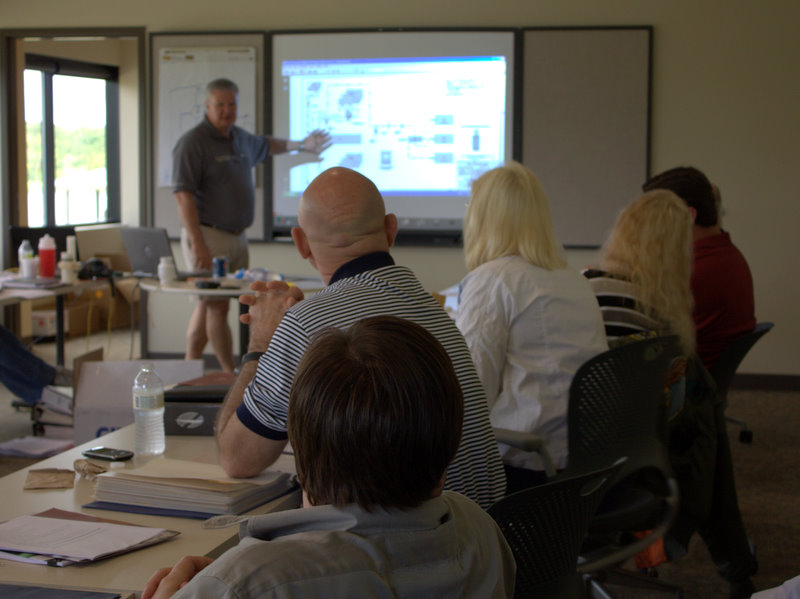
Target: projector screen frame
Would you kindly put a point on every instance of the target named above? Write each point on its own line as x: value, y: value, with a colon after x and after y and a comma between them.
x: 445, y: 236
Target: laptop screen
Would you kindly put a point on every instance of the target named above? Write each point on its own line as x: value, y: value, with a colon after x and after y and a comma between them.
x: 145, y: 246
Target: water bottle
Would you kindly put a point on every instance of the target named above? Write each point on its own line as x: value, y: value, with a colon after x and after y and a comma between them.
x: 47, y: 256
x: 25, y: 251
x: 148, y: 411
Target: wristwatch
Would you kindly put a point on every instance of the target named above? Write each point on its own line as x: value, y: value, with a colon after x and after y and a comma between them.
x: 250, y: 356
x: 302, y: 147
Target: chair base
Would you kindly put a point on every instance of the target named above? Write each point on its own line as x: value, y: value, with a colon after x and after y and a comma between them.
x: 596, y: 582
x: 746, y: 434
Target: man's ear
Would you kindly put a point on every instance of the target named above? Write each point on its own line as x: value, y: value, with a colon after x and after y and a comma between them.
x: 301, y: 242
x: 693, y: 212
x: 390, y: 228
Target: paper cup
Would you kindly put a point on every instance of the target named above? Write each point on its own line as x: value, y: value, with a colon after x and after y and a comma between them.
x: 29, y: 268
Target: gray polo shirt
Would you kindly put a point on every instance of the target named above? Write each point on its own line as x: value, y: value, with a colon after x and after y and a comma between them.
x: 219, y: 173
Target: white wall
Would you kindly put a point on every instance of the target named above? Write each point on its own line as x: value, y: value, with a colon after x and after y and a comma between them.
x: 725, y: 99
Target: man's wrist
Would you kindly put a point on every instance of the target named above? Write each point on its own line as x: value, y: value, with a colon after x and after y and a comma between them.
x: 301, y: 147
x: 251, y: 356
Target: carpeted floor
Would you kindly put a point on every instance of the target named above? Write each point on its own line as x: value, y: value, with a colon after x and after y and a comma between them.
x: 768, y: 484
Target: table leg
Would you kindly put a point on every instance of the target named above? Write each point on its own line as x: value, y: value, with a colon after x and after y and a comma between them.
x: 144, y: 351
x: 60, y: 330
x: 244, y: 331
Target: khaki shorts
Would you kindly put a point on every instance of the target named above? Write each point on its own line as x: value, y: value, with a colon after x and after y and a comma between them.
x: 220, y: 243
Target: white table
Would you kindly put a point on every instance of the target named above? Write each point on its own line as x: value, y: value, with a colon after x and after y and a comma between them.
x: 229, y: 288
x: 124, y: 573
x: 11, y: 296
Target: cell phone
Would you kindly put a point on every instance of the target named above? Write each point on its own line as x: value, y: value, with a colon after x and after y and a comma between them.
x: 108, y: 453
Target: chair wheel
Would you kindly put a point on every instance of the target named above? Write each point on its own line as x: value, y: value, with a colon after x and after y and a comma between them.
x: 746, y: 436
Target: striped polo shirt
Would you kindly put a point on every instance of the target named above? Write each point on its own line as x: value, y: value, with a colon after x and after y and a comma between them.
x: 373, y: 285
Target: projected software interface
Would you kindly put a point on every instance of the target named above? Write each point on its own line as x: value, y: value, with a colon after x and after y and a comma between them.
x: 415, y: 126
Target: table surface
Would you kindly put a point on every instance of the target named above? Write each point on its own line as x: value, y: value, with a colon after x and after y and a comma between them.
x: 229, y: 287
x: 9, y: 296
x: 124, y: 573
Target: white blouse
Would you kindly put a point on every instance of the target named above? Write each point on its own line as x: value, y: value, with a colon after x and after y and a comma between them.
x: 529, y: 330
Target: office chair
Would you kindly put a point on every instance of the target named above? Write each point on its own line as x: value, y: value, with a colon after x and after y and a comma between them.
x: 617, y: 408
x: 527, y: 442
x: 726, y: 366
x: 545, y: 526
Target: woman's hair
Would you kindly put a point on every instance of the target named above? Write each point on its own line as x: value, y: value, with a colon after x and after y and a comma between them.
x: 375, y: 415
x: 651, y: 245
x: 509, y: 215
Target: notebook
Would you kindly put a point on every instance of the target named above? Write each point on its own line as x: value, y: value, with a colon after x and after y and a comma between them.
x: 145, y: 247
x: 31, y: 283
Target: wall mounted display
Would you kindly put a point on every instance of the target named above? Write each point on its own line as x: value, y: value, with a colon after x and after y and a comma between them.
x: 420, y: 112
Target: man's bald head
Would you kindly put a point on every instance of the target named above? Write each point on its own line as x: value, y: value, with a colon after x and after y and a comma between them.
x: 341, y: 208
x: 342, y: 217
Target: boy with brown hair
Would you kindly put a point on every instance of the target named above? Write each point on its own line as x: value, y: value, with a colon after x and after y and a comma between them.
x: 375, y: 416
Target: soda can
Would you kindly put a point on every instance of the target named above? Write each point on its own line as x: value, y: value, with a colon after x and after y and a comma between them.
x: 219, y: 266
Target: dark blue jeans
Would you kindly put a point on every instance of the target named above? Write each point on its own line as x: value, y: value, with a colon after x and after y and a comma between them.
x: 24, y: 373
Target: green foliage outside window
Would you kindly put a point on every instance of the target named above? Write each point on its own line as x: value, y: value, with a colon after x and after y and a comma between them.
x: 81, y: 149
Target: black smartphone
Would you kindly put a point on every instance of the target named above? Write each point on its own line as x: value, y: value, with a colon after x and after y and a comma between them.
x: 108, y: 453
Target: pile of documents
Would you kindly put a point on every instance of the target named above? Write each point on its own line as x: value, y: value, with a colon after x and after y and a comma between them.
x: 172, y: 487
x: 61, y: 538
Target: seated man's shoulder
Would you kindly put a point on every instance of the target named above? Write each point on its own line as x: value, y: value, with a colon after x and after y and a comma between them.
x: 399, y: 555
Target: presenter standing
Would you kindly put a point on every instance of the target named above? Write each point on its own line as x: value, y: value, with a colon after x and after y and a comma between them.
x: 213, y: 185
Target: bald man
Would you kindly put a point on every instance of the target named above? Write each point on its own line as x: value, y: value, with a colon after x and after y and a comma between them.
x: 345, y: 233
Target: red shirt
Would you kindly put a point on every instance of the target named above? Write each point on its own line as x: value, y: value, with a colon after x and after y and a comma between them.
x: 723, y: 295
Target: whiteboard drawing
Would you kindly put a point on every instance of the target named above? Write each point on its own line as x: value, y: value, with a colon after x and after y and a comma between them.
x: 183, y: 76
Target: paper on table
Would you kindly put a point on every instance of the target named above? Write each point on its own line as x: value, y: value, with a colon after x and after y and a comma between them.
x: 187, y: 469
x: 77, y: 540
x: 199, y: 489
x: 49, y: 478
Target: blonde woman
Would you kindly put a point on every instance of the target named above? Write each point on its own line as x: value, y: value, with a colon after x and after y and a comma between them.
x: 644, y: 285
x: 646, y: 266
x: 529, y: 319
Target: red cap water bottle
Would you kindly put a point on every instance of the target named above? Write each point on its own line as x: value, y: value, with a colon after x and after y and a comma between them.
x: 47, y: 256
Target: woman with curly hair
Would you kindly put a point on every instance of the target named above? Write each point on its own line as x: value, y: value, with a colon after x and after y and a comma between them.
x: 643, y: 287
x: 646, y: 266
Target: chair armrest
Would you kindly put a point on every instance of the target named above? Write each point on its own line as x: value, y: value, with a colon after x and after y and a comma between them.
x: 527, y: 442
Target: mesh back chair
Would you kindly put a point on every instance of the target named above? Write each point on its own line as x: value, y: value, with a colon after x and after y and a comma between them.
x: 726, y: 366
x: 545, y: 527
x: 617, y: 408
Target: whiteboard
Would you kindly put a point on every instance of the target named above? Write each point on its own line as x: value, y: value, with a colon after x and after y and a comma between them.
x: 182, y: 66
x: 585, y: 123
x: 183, y: 76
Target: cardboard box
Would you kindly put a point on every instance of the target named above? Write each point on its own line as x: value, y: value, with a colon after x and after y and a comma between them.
x: 121, y: 309
x: 53, y: 414
x: 43, y: 323
x: 103, y: 400
x: 93, y: 309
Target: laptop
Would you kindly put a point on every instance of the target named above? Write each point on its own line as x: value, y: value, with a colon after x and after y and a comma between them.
x: 145, y: 246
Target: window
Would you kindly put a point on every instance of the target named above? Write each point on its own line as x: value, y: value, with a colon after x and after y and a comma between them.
x: 72, y: 142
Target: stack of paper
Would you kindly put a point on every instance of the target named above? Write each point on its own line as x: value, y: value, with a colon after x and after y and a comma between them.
x: 184, y: 488
x: 60, y: 538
